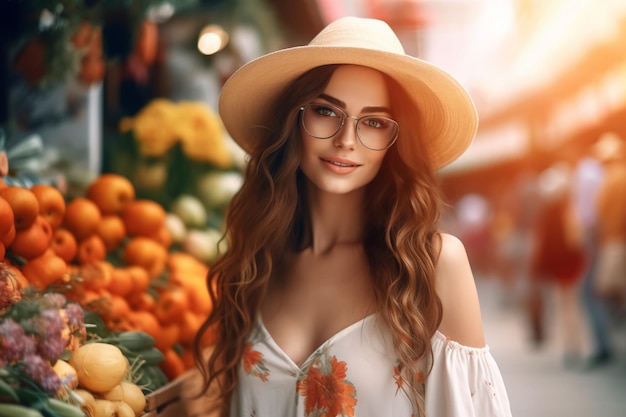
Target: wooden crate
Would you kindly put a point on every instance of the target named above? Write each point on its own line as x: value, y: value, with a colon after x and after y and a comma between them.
x: 179, y: 398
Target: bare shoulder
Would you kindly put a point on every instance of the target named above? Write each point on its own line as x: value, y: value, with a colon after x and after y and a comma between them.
x: 456, y: 288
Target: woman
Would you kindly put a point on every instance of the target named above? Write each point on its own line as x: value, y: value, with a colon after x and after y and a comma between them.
x: 558, y: 258
x: 337, y: 295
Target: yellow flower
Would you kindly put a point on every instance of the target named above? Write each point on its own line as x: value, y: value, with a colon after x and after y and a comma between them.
x: 154, y: 127
x: 162, y: 123
x: 202, y: 134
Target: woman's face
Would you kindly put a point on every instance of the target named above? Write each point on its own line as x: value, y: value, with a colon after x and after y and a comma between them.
x: 341, y: 163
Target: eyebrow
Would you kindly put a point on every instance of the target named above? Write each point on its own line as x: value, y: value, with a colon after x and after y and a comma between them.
x: 370, y: 109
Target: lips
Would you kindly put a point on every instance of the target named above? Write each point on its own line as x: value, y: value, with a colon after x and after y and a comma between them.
x: 340, y: 166
x: 340, y: 162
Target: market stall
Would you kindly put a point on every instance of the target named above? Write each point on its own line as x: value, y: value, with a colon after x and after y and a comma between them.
x: 112, y: 196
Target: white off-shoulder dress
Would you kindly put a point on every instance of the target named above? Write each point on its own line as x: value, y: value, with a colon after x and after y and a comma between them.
x: 355, y: 374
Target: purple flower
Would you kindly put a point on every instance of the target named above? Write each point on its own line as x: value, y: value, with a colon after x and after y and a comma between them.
x: 51, y: 342
x: 53, y: 301
x: 75, y: 316
x: 42, y: 373
x: 14, y: 342
x: 48, y: 328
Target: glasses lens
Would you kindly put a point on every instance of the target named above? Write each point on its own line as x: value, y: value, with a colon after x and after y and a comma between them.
x: 322, y: 120
x: 377, y: 132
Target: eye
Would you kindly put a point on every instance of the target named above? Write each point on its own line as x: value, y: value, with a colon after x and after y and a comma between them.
x: 376, y: 122
x: 326, y: 111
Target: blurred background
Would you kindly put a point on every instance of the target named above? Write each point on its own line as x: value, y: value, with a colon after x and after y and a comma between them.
x: 92, y: 86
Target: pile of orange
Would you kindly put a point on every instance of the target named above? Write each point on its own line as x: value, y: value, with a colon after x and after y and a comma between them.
x: 113, y: 252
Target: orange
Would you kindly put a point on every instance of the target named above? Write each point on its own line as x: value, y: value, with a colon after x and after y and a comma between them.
x: 64, y: 244
x: 82, y: 217
x: 139, y: 277
x: 24, y: 204
x: 143, y: 217
x: 142, y: 301
x: 198, y: 296
x: 145, y: 252
x: 121, y: 282
x: 189, y: 325
x: 90, y: 297
x: 8, y: 238
x: 44, y: 270
x: 51, y: 203
x: 186, y: 263
x: 3, y: 250
x: 181, y: 279
x: 111, y: 193
x: 34, y: 241
x: 171, y: 304
x: 172, y: 365
x: 96, y: 275
x: 7, y: 218
x: 145, y: 321
x: 188, y: 358
x: 115, y: 308
x: 167, y: 337
x: 112, y: 231
x: 163, y: 236
x: 91, y: 249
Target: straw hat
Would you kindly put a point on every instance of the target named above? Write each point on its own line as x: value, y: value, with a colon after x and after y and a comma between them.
x: 247, y: 99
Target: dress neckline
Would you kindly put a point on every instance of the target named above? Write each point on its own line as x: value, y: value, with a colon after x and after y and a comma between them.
x: 337, y: 336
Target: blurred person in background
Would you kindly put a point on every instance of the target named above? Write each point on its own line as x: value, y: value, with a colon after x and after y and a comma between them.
x: 338, y: 294
x: 558, y: 260
x: 610, y: 283
x: 515, y: 212
x: 588, y: 177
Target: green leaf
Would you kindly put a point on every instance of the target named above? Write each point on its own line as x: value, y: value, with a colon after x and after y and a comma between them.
x: 7, y: 391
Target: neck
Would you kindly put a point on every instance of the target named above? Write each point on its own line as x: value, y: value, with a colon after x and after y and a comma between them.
x: 336, y: 219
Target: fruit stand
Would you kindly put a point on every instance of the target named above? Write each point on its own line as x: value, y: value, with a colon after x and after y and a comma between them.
x: 103, y: 265
x: 94, y: 291
x: 113, y: 276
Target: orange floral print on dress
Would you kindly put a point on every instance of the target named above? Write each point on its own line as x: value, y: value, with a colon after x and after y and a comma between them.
x: 399, y: 379
x: 253, y: 363
x: 397, y: 376
x: 326, y: 391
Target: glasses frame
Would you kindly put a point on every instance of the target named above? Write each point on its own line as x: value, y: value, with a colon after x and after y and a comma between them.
x: 345, y: 116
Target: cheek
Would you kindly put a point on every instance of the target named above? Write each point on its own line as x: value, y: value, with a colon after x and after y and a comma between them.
x: 307, y: 154
x: 376, y: 162
x: 311, y: 147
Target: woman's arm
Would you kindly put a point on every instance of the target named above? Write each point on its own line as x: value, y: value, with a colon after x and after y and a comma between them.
x: 456, y: 288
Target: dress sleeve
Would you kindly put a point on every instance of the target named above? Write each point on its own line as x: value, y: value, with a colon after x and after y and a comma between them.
x: 464, y: 382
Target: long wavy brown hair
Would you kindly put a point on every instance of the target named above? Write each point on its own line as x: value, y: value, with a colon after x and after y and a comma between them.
x: 269, y: 216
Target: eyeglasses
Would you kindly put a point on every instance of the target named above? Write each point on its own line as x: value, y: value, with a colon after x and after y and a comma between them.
x: 323, y: 121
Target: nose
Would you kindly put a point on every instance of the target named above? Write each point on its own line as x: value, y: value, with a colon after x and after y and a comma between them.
x: 347, y: 136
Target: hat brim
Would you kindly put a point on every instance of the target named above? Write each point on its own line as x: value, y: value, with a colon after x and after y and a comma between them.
x: 444, y: 107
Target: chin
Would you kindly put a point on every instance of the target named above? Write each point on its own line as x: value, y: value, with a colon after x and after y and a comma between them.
x: 338, y: 187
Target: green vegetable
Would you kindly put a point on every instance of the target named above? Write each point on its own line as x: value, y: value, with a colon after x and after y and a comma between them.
x: 7, y: 391
x: 134, y: 340
x: 14, y: 410
x: 64, y: 409
x: 152, y: 378
x: 152, y: 356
